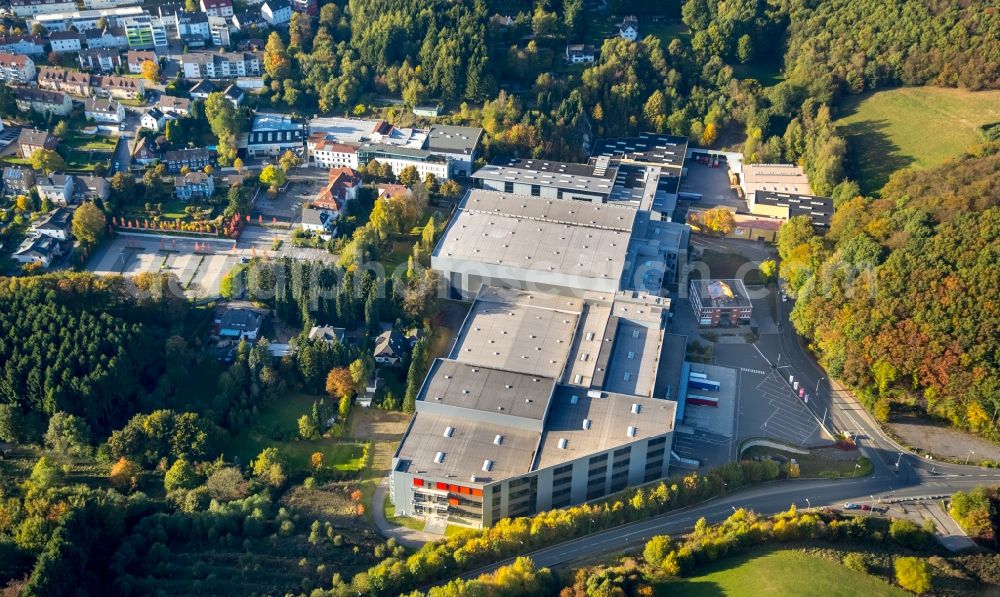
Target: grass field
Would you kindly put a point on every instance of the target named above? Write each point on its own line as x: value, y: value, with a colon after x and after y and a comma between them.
x: 911, y: 126
x: 277, y: 424
x: 778, y: 573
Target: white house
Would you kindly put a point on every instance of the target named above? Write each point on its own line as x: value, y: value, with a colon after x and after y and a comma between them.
x: 57, y: 188
x: 65, y: 41
x: 580, y: 53
x: 38, y: 249
x: 318, y: 221
x: 104, y: 110
x: 16, y: 68
x: 153, y: 119
x: 276, y: 12
x: 629, y: 28
x: 56, y: 224
x: 217, y: 8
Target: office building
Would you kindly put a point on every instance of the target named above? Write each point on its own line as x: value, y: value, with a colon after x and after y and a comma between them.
x: 273, y: 134
x: 720, y: 303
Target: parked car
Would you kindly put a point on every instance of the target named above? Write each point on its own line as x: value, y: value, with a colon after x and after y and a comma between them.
x: 851, y: 506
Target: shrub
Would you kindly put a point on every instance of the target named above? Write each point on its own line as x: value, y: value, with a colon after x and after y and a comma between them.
x: 857, y: 562
x: 913, y: 574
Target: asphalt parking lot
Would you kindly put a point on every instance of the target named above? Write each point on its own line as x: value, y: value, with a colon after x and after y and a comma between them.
x: 302, y: 187
x: 712, y: 184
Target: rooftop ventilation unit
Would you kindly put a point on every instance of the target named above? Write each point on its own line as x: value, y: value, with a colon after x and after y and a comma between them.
x: 487, y: 465
x: 635, y: 409
x: 631, y: 431
x: 586, y: 423
x: 439, y: 457
x: 562, y: 443
x: 574, y: 399
x: 448, y: 431
x: 594, y: 394
x: 498, y: 440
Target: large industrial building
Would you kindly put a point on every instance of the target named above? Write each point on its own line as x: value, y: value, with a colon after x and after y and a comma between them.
x: 557, y: 245
x: 544, y: 401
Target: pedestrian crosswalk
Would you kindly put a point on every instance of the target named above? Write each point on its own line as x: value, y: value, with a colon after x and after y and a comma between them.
x: 754, y: 371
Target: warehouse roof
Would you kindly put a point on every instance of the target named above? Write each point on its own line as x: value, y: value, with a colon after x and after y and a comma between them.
x: 547, y: 235
x: 819, y: 209
x: 651, y: 149
x: 597, y: 177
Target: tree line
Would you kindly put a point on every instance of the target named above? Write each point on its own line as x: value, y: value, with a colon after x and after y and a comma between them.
x: 900, y: 297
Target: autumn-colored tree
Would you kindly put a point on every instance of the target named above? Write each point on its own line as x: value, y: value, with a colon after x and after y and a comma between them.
x: 269, y: 466
x: 277, y: 64
x: 709, y: 135
x: 89, y: 225
x: 408, y: 176
x: 720, y: 219
x: 768, y: 269
x: 150, y: 70
x: 47, y: 160
x: 316, y: 461
x: 124, y: 474
x: 273, y: 177
x: 289, y: 160
x: 339, y: 382
x: 238, y: 164
x: 913, y: 574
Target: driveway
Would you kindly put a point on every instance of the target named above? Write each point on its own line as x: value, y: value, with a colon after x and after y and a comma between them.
x: 411, y: 538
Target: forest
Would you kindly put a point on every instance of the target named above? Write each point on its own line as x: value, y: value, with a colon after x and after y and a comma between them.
x: 900, y: 299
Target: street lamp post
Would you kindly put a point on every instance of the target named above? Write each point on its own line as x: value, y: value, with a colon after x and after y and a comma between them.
x: 808, y: 504
x: 898, y: 458
x: 817, y: 385
x: 971, y: 452
x: 856, y: 467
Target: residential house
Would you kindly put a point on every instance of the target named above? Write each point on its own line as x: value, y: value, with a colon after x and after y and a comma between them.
x: 194, y: 184
x: 153, y: 119
x: 30, y: 8
x: 144, y: 151
x: 202, y: 89
x: 239, y: 324
x: 168, y: 14
x: 120, y: 87
x: 144, y: 32
x: 65, y: 41
x: 629, y: 28
x: 219, y: 28
x: 220, y: 65
x: 276, y: 12
x: 309, y: 7
x: 580, y: 53
x: 38, y: 249
x: 99, y: 4
x: 234, y: 94
x: 192, y: 28
x: 372, y: 387
x: 217, y: 8
x: 272, y: 134
x: 18, y: 180
x: 104, y: 110
x: 135, y: 59
x: 31, y: 140
x: 105, y: 60
x: 502, y: 21
x: 342, y: 186
x: 326, y: 152
x: 327, y: 334
x: 391, y: 190
x: 390, y: 348
x: 192, y: 159
x: 56, y: 224
x: 28, y: 45
x: 57, y: 78
x: 319, y: 221
x: 107, y: 38
x: 15, y: 68
x: 179, y: 106
x: 57, y: 188
x: 245, y: 20
x: 90, y: 188
x: 39, y: 100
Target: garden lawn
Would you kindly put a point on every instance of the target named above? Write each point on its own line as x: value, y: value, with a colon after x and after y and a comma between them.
x: 276, y: 425
x: 783, y: 572
x: 911, y: 126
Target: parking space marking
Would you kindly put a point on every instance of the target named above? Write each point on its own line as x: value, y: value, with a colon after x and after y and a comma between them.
x: 789, y: 418
x: 754, y: 371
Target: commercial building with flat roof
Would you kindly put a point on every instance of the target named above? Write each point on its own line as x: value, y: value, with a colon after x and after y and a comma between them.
x: 722, y: 303
x: 783, y: 206
x: 780, y: 178
x: 549, y: 179
x: 546, y: 244
x: 545, y: 400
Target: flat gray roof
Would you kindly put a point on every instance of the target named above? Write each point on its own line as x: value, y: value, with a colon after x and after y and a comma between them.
x: 549, y: 235
x: 454, y: 139
x: 519, y: 331
x: 465, y: 388
x: 598, y: 178
x: 610, y: 418
x: 653, y: 149
x: 471, y: 444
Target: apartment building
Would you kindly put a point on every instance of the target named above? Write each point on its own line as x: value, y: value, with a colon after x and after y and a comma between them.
x: 217, y: 8
x: 84, y: 20
x: 222, y: 65
x: 103, y: 60
x: 104, y: 110
x: 40, y: 100
x: 28, y: 45
x: 145, y: 32
x: 63, y: 42
x: 17, y: 68
x: 30, y: 8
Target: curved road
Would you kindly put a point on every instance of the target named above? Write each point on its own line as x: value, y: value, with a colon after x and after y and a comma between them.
x: 898, y: 474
